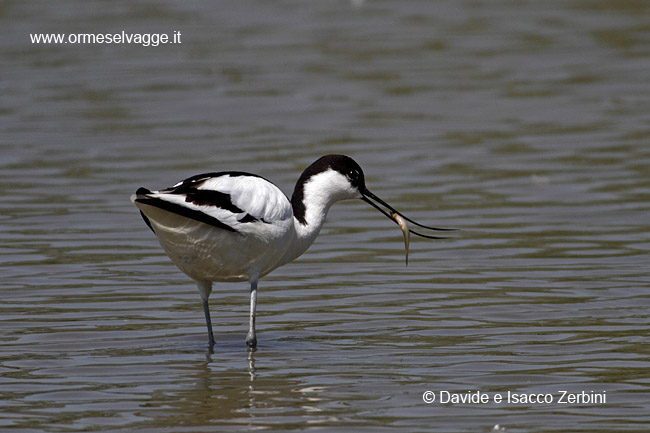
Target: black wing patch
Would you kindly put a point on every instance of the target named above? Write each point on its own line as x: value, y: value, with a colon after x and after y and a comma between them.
x: 204, y: 197
x: 200, y: 197
x: 183, y: 211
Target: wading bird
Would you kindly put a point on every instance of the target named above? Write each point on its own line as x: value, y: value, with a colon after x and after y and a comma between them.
x: 236, y: 226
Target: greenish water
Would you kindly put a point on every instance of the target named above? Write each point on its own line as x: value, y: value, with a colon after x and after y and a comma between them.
x: 523, y: 124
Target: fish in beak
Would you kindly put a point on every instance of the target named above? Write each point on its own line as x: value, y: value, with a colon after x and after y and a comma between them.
x: 400, y: 219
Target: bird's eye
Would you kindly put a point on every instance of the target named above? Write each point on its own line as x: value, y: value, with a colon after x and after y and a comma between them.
x: 353, y: 174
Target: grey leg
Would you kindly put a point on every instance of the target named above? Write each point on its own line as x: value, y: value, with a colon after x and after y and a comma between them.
x: 251, y: 338
x: 206, y: 310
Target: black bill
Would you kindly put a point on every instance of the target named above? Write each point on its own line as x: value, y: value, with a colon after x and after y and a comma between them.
x: 391, y: 213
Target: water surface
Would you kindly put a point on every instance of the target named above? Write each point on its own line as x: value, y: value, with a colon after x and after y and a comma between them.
x: 523, y: 124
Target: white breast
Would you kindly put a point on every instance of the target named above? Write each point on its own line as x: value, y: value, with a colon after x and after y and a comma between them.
x: 222, y: 228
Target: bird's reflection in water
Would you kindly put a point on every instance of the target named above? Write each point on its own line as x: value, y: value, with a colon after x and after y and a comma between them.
x: 251, y: 359
x: 251, y: 365
x: 224, y: 388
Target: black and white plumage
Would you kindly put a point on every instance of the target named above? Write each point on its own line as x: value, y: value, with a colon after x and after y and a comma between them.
x: 235, y: 226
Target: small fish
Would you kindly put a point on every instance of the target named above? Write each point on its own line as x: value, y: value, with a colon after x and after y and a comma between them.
x: 401, y: 222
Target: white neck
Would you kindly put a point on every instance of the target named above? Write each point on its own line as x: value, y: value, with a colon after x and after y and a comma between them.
x: 320, y: 192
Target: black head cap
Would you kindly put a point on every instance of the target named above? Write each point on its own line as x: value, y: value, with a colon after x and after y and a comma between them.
x: 341, y: 163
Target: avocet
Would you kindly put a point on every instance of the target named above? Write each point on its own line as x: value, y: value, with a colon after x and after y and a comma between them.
x: 236, y: 226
